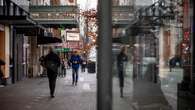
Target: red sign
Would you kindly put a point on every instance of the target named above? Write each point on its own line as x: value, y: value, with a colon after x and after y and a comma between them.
x: 74, y: 45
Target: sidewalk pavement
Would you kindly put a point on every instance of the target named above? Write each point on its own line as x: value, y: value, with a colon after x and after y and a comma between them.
x: 141, y: 95
x: 33, y: 94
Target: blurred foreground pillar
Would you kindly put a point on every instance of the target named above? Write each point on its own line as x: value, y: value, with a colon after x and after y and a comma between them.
x: 104, y: 74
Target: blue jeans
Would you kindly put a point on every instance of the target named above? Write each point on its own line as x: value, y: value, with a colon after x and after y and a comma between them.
x: 75, y: 75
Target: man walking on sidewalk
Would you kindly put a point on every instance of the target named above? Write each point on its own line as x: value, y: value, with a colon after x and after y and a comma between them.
x: 75, y: 61
x: 52, y: 62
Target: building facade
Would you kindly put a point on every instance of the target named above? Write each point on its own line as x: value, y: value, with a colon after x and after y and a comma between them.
x: 16, y: 26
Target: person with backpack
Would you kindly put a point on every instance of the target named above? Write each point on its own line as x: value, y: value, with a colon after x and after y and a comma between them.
x: 52, y: 62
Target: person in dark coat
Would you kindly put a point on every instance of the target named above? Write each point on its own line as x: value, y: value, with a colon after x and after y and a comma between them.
x: 121, y: 58
x: 75, y: 61
x: 174, y: 61
x: 171, y: 64
x: 52, y: 62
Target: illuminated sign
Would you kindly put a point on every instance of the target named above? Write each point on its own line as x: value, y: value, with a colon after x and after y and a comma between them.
x: 72, y: 36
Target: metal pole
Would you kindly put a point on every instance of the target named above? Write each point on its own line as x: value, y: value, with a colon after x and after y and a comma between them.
x: 104, y: 75
x: 192, y: 42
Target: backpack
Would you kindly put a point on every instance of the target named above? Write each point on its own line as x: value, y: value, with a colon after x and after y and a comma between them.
x: 51, y: 65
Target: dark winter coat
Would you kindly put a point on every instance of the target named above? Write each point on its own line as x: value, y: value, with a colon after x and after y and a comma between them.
x: 121, y: 58
x: 52, y: 62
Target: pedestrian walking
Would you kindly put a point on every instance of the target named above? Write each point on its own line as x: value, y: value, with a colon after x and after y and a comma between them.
x: 171, y: 64
x: 75, y: 61
x: 52, y: 62
x: 175, y: 61
x: 83, y: 65
x: 42, y: 63
x: 121, y: 59
x: 1, y: 73
x: 63, y: 68
x: 1, y: 76
x: 69, y: 64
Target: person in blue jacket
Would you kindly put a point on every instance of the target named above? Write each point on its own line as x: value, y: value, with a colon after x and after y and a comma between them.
x: 75, y: 60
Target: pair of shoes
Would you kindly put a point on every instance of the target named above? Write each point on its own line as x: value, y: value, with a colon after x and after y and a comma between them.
x: 73, y: 83
x: 52, y: 96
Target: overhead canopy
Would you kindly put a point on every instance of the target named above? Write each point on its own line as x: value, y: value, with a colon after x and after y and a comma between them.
x: 123, y: 40
x: 30, y: 30
x: 16, y: 20
x: 48, y: 40
x: 58, y: 24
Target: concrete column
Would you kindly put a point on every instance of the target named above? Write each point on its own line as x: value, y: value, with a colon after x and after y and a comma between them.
x: 161, y: 50
x: 7, y: 54
x: 104, y: 75
x: 173, y: 40
x: 33, y: 66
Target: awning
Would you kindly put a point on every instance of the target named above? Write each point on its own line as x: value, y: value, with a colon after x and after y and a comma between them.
x: 23, y: 24
x: 122, y: 40
x: 30, y: 30
x: 16, y: 20
x: 48, y: 40
x: 60, y: 24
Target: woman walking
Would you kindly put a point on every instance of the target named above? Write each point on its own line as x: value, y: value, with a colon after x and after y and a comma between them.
x: 121, y: 58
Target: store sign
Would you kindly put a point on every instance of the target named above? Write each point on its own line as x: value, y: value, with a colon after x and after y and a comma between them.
x: 74, y: 45
x: 68, y: 2
x: 72, y: 36
x: 62, y: 49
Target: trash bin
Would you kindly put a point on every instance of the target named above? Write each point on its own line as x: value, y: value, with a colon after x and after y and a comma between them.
x: 91, y: 67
